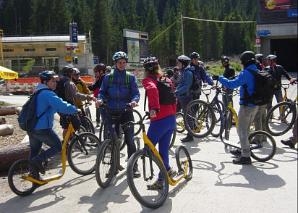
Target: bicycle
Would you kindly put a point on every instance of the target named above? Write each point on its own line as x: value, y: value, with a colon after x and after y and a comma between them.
x: 24, y: 178
x: 281, y: 117
x: 152, y: 167
x: 86, y: 110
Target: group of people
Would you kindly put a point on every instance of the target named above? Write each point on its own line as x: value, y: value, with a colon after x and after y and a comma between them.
x: 118, y: 89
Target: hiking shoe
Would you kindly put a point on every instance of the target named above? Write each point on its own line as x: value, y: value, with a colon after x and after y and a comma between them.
x: 172, y: 173
x: 188, y: 138
x: 38, y: 165
x: 288, y: 143
x: 242, y: 160
x: 157, y: 185
x: 236, y: 152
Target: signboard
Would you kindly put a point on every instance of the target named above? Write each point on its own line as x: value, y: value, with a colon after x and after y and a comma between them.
x: 263, y: 33
x: 95, y: 59
x: 73, y: 32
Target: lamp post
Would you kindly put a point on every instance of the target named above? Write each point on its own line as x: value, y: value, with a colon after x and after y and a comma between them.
x: 182, y: 35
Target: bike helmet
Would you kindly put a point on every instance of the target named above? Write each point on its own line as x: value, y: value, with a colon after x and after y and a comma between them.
x: 184, y: 60
x: 271, y: 57
x: 170, y: 73
x: 247, y: 58
x: 259, y: 57
x: 99, y: 67
x: 67, y: 71
x: 47, y: 75
x: 119, y: 55
x: 194, y: 55
x: 150, y: 63
x: 76, y: 71
x: 225, y: 59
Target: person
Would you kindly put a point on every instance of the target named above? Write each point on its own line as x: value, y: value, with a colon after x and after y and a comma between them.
x: 247, y: 110
x: 229, y: 73
x: 81, y: 87
x: 260, y: 61
x: 198, y: 70
x: 183, y: 91
x: 99, y: 73
x: 49, y: 103
x: 162, y: 115
x: 117, y: 93
x: 277, y: 71
x: 292, y: 141
x: 70, y: 94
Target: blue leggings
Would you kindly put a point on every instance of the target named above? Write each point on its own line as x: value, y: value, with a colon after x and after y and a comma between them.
x: 160, y: 132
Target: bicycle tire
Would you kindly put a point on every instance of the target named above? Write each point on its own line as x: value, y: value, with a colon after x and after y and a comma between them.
x: 82, y: 152
x: 275, y: 126
x: 137, y: 119
x: 228, y: 124
x: 88, y: 112
x: 105, y: 167
x: 87, y: 124
x: 149, y: 198
x: 218, y: 108
x: 182, y: 156
x: 199, y: 118
x: 173, y: 138
x: 180, y: 127
x: 264, y: 150
x: 17, y: 170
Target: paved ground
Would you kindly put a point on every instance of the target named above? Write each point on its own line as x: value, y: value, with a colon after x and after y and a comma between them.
x: 217, y: 186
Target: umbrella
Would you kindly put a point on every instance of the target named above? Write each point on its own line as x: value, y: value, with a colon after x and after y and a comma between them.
x: 7, y: 74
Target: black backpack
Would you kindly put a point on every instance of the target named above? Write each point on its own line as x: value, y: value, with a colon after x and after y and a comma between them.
x: 28, y: 117
x: 60, y: 88
x: 264, y: 87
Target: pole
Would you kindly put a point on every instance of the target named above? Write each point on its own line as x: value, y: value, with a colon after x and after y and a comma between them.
x: 182, y: 35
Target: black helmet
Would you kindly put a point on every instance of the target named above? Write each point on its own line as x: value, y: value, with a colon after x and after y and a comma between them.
x: 194, y: 55
x: 170, y: 73
x: 119, y: 55
x: 99, y: 67
x: 271, y: 57
x: 225, y: 59
x: 259, y: 57
x: 184, y: 60
x: 67, y: 71
x: 247, y: 58
x: 47, y: 75
x: 150, y: 63
x: 76, y: 71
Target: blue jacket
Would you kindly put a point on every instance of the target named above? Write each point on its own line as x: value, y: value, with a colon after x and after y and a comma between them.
x: 117, y: 92
x: 201, y: 74
x: 186, y: 78
x: 245, y: 80
x: 50, y: 103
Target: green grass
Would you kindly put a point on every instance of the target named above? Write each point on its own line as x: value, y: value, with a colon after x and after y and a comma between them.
x: 216, y: 68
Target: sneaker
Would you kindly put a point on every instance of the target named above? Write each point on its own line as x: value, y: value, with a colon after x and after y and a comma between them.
x: 157, y: 185
x: 255, y: 141
x: 136, y: 173
x: 172, y: 173
x: 288, y: 143
x: 236, y: 152
x: 38, y: 165
x: 242, y: 160
x: 188, y: 138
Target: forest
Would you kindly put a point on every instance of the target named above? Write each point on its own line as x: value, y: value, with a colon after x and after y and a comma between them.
x: 212, y: 28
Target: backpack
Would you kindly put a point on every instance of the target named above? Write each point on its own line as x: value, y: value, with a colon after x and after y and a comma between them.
x: 28, y: 117
x: 197, y: 79
x: 60, y: 88
x: 166, y: 91
x: 264, y: 87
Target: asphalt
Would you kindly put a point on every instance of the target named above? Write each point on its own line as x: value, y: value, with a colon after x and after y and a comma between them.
x: 217, y: 186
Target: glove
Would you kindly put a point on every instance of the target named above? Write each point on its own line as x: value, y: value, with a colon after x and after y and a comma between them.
x: 215, y: 77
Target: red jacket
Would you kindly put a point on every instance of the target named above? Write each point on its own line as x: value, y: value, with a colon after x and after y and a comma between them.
x: 153, y: 100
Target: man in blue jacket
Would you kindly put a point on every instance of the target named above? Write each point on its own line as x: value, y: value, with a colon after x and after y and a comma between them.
x: 118, y: 90
x: 48, y: 103
x: 247, y: 111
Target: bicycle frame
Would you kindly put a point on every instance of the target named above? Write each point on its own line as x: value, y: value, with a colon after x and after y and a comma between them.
x: 69, y: 133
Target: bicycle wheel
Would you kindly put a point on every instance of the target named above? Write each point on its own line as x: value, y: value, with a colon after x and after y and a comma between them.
x: 87, y: 123
x: 180, y: 127
x: 138, y: 119
x: 151, y: 171
x: 82, y: 152
x: 199, y: 118
x: 218, y: 109
x: 88, y: 112
x: 262, y: 146
x: 184, y: 162
x: 16, y: 174
x: 228, y: 124
x: 173, y: 138
x: 281, y: 118
x: 105, y: 168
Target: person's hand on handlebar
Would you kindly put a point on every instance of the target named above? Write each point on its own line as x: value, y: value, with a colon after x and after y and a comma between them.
x: 133, y: 104
x: 98, y: 103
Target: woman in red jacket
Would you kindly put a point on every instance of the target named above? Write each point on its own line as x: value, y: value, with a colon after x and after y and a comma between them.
x: 162, y: 114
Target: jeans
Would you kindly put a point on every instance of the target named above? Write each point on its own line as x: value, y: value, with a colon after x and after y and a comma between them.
x: 246, y: 116
x: 227, y: 97
x: 47, y: 136
x: 183, y: 101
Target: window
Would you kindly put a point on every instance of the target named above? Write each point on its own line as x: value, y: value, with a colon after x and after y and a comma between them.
x: 29, y: 49
x: 51, y: 49
x: 8, y: 50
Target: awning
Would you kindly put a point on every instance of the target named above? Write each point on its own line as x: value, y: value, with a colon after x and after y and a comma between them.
x: 7, y: 74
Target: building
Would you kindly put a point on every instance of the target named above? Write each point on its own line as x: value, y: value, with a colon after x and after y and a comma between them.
x: 277, y: 31
x: 31, y: 54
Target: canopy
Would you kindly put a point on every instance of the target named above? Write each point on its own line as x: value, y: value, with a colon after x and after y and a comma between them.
x: 7, y: 74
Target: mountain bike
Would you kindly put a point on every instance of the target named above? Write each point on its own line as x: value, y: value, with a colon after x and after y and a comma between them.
x: 24, y: 178
x: 150, y: 163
